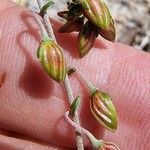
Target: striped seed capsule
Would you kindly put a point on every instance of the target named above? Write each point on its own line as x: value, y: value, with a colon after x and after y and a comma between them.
x: 52, y: 60
x: 86, y: 39
x: 97, y: 12
x: 108, y: 33
x: 103, y: 110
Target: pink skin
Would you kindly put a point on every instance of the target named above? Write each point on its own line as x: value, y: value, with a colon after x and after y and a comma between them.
x: 33, y: 105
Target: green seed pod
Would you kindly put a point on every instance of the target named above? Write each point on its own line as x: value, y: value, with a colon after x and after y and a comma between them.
x: 86, y: 39
x: 103, y: 110
x: 52, y: 60
x: 108, y: 33
x: 97, y: 12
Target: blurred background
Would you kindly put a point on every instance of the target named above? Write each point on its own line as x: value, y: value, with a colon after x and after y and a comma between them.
x: 132, y: 18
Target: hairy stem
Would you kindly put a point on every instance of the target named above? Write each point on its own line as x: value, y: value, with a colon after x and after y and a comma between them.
x: 49, y: 29
x: 96, y: 143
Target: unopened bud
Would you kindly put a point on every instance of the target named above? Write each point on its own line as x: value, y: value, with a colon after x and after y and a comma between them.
x: 52, y: 60
x: 97, y: 12
x: 86, y: 39
x: 103, y: 110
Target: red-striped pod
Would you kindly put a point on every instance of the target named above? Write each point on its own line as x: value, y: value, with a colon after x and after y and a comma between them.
x: 103, y: 110
x: 108, y: 33
x: 86, y: 39
x: 72, y: 25
x: 97, y: 12
x: 52, y: 60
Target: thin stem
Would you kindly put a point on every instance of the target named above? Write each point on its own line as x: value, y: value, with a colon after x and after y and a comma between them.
x: 79, y: 140
x: 46, y: 21
x: 38, y: 21
x: 96, y: 143
x: 49, y: 29
x: 91, y: 87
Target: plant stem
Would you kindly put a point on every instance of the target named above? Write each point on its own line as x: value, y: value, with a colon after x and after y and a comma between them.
x: 49, y: 29
x: 96, y: 143
x: 46, y: 21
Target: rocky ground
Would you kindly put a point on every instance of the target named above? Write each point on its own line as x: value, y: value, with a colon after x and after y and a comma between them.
x: 132, y: 19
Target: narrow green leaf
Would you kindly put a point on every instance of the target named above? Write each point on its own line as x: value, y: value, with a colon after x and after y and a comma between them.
x: 74, y: 106
x: 45, y: 7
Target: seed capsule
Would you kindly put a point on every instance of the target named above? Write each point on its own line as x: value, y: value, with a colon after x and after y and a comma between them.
x: 97, y: 12
x: 103, y: 110
x: 52, y: 60
x: 86, y: 39
x: 108, y: 33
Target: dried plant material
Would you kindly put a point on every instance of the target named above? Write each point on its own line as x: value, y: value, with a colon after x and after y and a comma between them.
x: 72, y: 25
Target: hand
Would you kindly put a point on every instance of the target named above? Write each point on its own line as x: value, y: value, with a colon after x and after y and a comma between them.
x: 32, y: 105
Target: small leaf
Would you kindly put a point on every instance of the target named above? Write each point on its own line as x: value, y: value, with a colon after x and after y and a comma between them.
x: 74, y: 106
x: 45, y: 7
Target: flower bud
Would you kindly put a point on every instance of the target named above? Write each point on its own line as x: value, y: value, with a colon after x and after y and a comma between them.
x: 97, y: 12
x: 103, y: 110
x: 108, y: 33
x: 72, y: 25
x: 52, y: 60
x: 86, y: 39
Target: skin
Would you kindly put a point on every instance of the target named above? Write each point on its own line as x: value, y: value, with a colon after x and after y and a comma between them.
x: 32, y: 105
